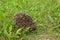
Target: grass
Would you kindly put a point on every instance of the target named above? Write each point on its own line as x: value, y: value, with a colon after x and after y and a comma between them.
x: 46, y: 14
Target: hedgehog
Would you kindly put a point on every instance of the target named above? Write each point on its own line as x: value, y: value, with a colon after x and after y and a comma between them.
x: 24, y: 21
